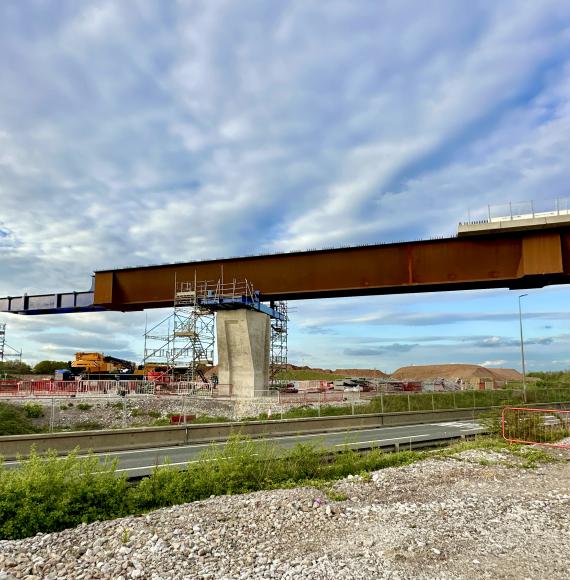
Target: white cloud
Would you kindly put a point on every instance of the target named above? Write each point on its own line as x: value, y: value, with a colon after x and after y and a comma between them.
x: 493, y: 363
x: 139, y: 132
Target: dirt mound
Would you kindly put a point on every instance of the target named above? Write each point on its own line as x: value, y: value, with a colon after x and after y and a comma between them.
x: 444, y: 371
x: 507, y: 374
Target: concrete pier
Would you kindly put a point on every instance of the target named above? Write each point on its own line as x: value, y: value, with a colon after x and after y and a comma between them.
x: 243, y: 351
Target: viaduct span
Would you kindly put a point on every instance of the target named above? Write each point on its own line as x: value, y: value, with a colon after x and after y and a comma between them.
x: 515, y: 254
x: 523, y: 258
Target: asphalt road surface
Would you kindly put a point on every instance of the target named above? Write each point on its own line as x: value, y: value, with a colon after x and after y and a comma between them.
x: 140, y: 462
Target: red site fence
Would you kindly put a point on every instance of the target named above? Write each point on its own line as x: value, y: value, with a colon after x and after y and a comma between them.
x: 549, y: 427
x: 43, y: 388
x: 47, y: 387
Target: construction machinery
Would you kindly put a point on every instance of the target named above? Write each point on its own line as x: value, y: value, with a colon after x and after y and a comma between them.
x: 97, y: 363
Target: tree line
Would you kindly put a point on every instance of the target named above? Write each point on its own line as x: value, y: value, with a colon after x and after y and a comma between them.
x: 44, y: 367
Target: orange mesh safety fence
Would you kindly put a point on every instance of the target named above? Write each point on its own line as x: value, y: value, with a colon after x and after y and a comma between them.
x: 549, y: 427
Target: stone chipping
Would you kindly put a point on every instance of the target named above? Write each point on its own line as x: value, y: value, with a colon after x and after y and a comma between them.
x: 475, y: 515
x: 107, y: 412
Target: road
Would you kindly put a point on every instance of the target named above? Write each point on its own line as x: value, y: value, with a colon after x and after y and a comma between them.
x: 140, y: 462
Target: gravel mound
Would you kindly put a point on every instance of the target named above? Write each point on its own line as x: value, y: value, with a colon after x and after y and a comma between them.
x: 441, y: 518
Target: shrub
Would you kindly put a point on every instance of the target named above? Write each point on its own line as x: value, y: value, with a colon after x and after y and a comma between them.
x: 84, y: 406
x: 161, y: 422
x: 33, y: 410
x: 48, y: 494
x: 14, y: 420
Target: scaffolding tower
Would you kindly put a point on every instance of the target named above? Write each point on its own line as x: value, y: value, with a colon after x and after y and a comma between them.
x: 278, y: 355
x: 2, y: 340
x: 184, y: 341
x: 7, y: 351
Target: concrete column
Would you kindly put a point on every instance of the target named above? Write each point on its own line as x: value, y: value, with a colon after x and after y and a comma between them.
x: 243, y: 350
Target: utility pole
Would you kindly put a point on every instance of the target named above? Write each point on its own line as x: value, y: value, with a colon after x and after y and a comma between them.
x: 522, y: 347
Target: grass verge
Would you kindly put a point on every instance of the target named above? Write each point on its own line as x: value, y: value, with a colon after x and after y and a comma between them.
x: 48, y: 493
x: 14, y: 420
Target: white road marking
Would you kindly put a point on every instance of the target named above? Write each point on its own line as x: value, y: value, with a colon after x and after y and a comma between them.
x: 460, y: 425
x: 404, y: 438
x: 456, y: 424
x: 296, y: 436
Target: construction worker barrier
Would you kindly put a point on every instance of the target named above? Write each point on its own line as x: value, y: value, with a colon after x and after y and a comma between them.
x: 549, y: 427
x: 46, y: 388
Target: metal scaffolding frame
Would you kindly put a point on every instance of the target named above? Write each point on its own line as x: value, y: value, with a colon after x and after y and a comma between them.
x: 278, y: 355
x: 184, y: 341
x: 4, y: 346
x: 2, y: 340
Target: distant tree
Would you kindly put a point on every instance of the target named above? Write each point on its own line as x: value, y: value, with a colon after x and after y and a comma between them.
x: 13, y: 367
x: 48, y: 367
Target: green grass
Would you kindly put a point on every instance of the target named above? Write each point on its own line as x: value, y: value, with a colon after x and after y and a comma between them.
x: 531, y: 456
x: 392, y: 403
x: 162, y: 422
x: 14, y: 420
x: 210, y: 419
x: 48, y: 493
x: 396, y: 403
x: 307, y: 375
x: 87, y: 426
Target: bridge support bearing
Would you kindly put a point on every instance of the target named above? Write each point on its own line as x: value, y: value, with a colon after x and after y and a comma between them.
x: 243, y: 351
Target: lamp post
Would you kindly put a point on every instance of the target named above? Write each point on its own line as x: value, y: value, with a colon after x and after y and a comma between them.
x: 522, y: 347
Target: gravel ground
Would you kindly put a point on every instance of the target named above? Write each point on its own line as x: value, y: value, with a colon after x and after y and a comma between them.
x: 107, y: 411
x: 473, y: 516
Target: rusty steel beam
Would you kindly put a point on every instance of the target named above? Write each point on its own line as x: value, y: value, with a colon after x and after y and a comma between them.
x: 524, y: 259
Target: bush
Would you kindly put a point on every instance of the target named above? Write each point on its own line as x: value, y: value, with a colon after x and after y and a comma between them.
x: 14, y: 421
x: 48, y: 494
x: 33, y: 410
x: 162, y: 422
x: 84, y: 406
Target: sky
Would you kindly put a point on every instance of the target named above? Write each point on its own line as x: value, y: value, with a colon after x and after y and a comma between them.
x: 141, y: 132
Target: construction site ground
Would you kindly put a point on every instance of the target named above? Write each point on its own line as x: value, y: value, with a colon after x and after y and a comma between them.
x: 108, y: 412
x: 477, y: 514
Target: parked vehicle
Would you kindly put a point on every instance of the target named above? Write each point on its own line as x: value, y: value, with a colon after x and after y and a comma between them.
x: 289, y: 388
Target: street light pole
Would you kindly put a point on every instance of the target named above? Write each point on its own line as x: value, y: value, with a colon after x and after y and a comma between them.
x: 522, y: 347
